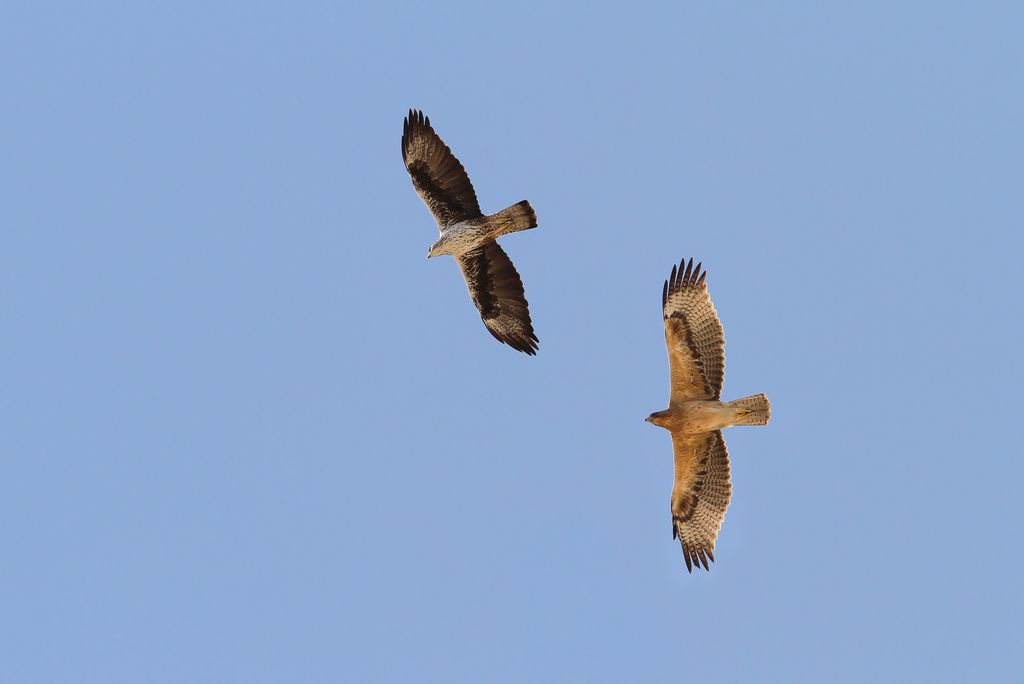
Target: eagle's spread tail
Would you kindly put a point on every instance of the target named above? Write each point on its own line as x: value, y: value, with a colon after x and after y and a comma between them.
x: 517, y: 217
x: 753, y: 410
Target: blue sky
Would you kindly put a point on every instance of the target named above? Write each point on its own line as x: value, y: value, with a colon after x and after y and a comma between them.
x: 251, y: 435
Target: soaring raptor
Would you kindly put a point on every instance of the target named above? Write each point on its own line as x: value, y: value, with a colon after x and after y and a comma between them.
x: 470, y: 236
x: 695, y: 416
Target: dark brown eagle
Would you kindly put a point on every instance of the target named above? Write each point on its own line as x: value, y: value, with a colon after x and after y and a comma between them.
x: 470, y: 236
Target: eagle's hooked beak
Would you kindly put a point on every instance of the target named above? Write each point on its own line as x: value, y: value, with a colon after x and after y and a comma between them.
x: 647, y: 419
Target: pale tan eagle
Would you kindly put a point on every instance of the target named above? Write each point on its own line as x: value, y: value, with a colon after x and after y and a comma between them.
x: 695, y: 416
x: 469, y: 236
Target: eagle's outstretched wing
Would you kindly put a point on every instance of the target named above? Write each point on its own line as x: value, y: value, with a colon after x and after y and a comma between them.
x: 437, y: 175
x: 693, y: 335
x: 497, y: 291
x: 700, y: 494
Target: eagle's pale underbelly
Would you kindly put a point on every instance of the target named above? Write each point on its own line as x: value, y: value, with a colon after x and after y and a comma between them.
x: 464, y: 237
x: 705, y: 416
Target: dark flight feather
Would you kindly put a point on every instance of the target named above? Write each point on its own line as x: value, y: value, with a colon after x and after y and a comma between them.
x: 438, y: 177
x: 497, y: 291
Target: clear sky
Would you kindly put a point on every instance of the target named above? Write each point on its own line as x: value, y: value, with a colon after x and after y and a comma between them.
x: 249, y: 434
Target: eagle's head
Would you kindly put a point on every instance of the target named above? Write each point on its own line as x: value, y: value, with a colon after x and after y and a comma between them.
x: 438, y: 248
x: 659, y: 418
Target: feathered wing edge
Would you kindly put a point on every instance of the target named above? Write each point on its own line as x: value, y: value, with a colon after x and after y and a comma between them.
x: 497, y: 291
x: 691, y: 319
x: 438, y: 177
x: 701, y: 494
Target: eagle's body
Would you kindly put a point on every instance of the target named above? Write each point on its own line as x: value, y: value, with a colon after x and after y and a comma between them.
x: 696, y: 415
x: 460, y: 238
x: 465, y: 237
x: 469, y: 235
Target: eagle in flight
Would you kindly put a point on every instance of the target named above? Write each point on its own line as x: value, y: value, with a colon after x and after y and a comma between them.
x: 695, y: 416
x: 470, y: 236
